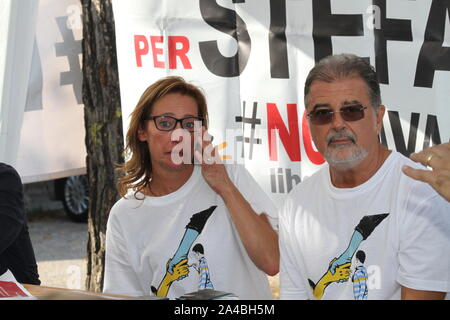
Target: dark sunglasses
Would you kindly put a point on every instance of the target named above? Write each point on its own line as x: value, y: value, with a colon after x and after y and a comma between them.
x: 168, y: 123
x: 325, y: 116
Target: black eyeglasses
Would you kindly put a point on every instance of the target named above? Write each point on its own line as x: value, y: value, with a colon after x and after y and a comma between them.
x: 168, y: 123
x: 325, y: 116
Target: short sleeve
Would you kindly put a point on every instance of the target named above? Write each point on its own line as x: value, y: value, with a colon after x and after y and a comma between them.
x: 424, y: 252
x: 253, y: 193
x: 120, y: 277
x: 291, y: 282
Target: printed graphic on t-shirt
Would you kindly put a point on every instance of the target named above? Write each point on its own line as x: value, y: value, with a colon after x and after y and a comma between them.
x: 339, y: 268
x: 201, y: 266
x: 360, y: 277
x: 177, y: 266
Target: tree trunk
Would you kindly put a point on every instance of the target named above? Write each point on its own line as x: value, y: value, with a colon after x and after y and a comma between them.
x: 103, y: 123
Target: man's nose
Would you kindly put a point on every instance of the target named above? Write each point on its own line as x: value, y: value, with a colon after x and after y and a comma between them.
x: 337, y: 121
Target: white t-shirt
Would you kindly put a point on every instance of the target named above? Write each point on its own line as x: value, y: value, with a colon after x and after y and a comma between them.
x: 143, y: 235
x: 397, y: 228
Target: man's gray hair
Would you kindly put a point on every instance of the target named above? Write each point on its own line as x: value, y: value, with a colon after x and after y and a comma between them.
x: 340, y: 66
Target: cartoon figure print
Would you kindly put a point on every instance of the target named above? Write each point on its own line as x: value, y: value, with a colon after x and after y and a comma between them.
x: 360, y: 277
x: 177, y: 267
x: 339, y: 268
x: 202, y: 268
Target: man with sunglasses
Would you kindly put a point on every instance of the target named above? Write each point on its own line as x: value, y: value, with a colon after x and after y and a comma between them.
x: 359, y: 200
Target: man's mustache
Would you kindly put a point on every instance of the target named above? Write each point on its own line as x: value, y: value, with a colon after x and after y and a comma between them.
x: 339, y: 135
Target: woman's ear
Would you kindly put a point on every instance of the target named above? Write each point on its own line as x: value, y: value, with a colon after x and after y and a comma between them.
x: 142, y: 135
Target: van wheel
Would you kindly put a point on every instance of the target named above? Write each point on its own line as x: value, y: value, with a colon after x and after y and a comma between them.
x: 76, y: 198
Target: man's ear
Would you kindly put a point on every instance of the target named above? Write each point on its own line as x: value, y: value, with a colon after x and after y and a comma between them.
x: 380, y: 114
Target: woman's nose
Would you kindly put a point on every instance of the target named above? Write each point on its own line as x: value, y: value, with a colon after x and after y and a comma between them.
x: 178, y: 125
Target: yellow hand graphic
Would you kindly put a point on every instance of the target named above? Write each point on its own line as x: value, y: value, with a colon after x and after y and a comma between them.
x: 180, y: 270
x: 342, y: 273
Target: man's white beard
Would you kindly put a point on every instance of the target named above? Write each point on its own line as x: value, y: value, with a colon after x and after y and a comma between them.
x: 332, y: 154
x: 357, y: 155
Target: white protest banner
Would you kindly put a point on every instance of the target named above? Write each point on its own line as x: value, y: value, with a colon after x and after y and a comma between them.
x: 251, y: 57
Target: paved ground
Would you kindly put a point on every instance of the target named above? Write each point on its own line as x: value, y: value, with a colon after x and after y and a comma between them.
x: 60, y: 249
x: 60, y: 244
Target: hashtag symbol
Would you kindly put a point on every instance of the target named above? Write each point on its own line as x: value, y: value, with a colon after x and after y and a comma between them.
x: 253, y: 121
x: 71, y: 49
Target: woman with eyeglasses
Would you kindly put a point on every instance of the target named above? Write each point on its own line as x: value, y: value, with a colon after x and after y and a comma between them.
x: 169, y: 206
